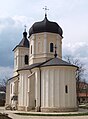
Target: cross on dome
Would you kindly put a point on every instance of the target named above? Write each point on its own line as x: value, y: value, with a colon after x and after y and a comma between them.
x: 46, y: 9
x: 55, y: 51
x: 25, y: 33
x: 25, y: 28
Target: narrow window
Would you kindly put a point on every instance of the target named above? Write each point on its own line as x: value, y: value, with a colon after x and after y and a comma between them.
x: 35, y: 103
x: 26, y: 59
x: 51, y: 47
x: 66, y: 89
x: 31, y: 49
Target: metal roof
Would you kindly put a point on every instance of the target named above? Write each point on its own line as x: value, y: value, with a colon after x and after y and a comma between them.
x: 57, y: 62
x: 24, y: 42
x: 51, y: 62
x: 45, y: 26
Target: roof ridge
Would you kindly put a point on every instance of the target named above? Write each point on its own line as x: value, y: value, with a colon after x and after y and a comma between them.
x: 57, y: 62
x: 45, y: 62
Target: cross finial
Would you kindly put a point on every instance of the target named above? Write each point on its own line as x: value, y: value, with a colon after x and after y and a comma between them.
x: 25, y: 28
x: 55, y: 51
x: 46, y: 9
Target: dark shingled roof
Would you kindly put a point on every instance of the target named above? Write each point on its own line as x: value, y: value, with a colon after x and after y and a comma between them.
x: 13, y: 77
x: 45, y: 26
x: 57, y: 62
x: 52, y: 62
x: 30, y: 67
x: 24, y: 42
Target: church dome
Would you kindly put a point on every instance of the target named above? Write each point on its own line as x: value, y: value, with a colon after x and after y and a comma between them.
x: 45, y: 26
x: 24, y: 42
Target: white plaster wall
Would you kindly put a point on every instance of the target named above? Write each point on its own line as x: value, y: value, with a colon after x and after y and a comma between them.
x: 40, y: 43
x: 37, y: 86
x: 53, y: 83
x: 32, y: 91
x: 23, y: 96
x: 7, y: 93
x: 29, y: 88
x: 11, y: 91
x: 19, y: 54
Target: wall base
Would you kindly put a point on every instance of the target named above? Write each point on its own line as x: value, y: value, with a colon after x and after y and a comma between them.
x: 25, y: 108
x: 21, y: 108
x: 59, y: 109
x: 50, y: 109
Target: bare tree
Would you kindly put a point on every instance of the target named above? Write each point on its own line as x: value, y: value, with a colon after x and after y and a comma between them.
x: 79, y: 72
x: 3, y: 84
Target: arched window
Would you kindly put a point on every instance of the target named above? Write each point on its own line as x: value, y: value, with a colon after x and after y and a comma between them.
x: 51, y: 47
x: 26, y: 59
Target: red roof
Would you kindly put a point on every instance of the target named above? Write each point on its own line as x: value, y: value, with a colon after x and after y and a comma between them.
x: 83, y: 94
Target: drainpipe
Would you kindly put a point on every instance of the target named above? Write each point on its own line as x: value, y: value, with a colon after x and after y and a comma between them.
x: 18, y: 91
x: 30, y: 71
x: 40, y: 90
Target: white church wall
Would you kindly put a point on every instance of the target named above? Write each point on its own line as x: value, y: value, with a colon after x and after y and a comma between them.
x: 32, y: 91
x: 19, y: 55
x: 7, y: 93
x: 16, y: 52
x: 40, y: 46
x: 56, y: 39
x: 11, y: 92
x: 51, y: 88
x: 29, y: 88
x: 37, y: 88
x: 23, y: 96
x: 53, y: 82
x: 62, y: 78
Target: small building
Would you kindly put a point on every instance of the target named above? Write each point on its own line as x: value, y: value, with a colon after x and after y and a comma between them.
x: 2, y: 95
x: 42, y: 80
x: 83, y: 92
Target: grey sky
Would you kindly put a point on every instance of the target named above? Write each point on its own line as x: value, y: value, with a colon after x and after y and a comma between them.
x: 71, y: 15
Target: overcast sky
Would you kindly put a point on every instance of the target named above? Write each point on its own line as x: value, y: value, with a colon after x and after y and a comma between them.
x: 71, y: 15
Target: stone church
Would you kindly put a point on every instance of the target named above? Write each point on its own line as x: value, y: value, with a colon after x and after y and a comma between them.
x: 42, y: 81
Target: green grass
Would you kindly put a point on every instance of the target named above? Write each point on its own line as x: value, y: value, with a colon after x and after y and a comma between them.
x: 33, y: 114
